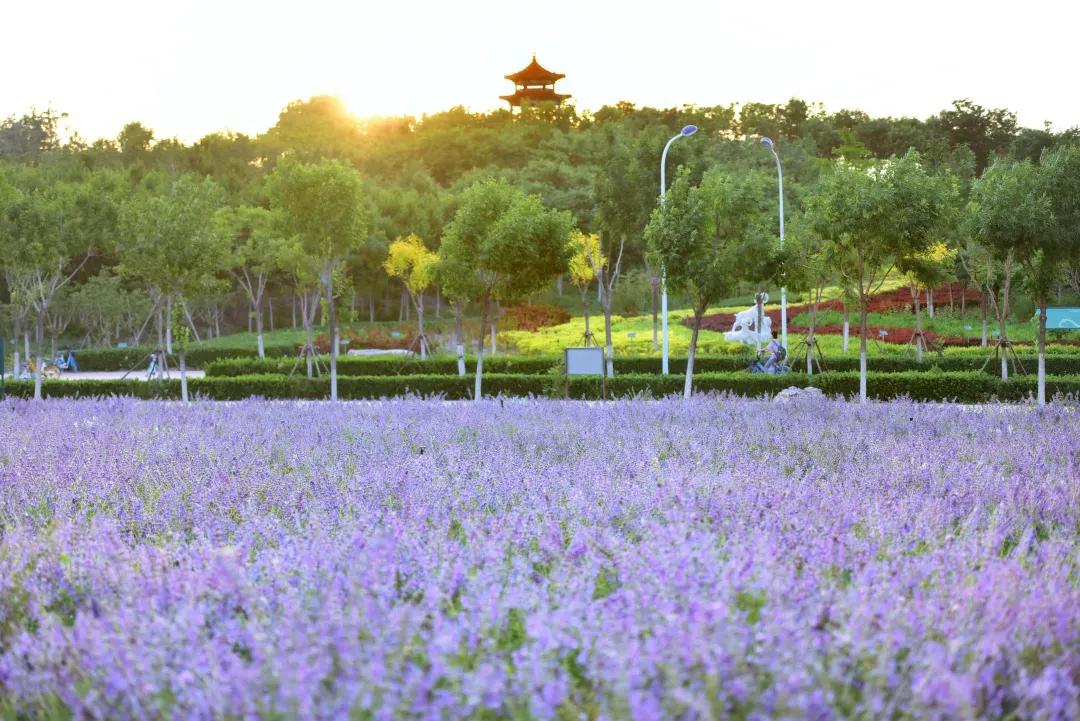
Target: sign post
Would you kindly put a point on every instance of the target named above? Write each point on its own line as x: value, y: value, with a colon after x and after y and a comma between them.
x: 586, y: 362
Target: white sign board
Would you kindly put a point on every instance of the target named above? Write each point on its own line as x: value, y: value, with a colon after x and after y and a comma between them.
x: 584, y: 361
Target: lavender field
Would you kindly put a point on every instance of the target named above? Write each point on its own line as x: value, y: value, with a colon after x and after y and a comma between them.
x: 711, y: 559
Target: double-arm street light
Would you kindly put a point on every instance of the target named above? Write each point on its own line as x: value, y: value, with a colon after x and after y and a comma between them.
x: 685, y: 132
x: 768, y: 143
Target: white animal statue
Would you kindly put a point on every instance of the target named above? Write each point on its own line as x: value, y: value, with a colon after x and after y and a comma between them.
x: 744, y: 329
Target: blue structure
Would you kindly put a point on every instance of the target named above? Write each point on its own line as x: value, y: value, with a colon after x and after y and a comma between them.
x: 1063, y: 318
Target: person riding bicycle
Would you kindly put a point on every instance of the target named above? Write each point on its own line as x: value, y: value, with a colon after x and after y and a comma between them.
x: 777, y: 353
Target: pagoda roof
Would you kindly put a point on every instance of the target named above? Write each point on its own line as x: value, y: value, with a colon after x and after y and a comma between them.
x: 534, y: 72
x: 534, y: 95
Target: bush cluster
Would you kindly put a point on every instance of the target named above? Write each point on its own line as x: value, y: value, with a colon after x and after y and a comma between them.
x: 534, y: 317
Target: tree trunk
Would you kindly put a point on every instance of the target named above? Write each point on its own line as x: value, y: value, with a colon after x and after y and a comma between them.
x: 438, y: 303
x: 15, y: 365
x: 259, y: 330
x: 863, y: 302
x: 982, y: 310
x: 307, y: 313
x: 459, y: 336
x: 654, y: 299
x: 688, y: 384
x: 294, y: 310
x: 585, y: 313
x: 559, y: 284
x: 270, y: 310
x: 168, y: 325
x: 477, y: 389
x: 930, y: 302
x: 810, y: 332
x: 371, y: 306
x: 609, y: 343
x: 39, y: 341
x: 183, y: 377
x: 1042, y: 352
x: 847, y: 328
x: 331, y: 318
x: 952, y: 307
x: 1003, y: 314
x: 420, y: 326
x: 918, y: 325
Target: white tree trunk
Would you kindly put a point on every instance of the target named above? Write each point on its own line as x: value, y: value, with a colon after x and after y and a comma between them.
x: 183, y: 378
x: 168, y: 325
x: 847, y: 330
x: 862, y: 349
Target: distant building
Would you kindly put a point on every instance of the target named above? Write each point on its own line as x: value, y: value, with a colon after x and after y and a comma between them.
x: 534, y: 84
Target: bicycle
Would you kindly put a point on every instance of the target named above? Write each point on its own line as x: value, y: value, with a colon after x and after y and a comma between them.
x: 66, y: 361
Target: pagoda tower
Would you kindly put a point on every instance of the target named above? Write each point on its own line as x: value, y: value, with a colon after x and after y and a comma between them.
x: 534, y: 84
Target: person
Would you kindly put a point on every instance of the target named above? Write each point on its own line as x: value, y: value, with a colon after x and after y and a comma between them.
x: 776, y: 353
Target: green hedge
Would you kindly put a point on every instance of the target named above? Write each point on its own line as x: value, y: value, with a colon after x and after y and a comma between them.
x: 967, y: 387
x: 122, y: 359
x: 382, y: 366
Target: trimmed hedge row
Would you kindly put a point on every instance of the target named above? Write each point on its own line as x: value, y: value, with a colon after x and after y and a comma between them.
x: 966, y: 387
x: 542, y: 365
x: 122, y: 359
x: 386, y: 366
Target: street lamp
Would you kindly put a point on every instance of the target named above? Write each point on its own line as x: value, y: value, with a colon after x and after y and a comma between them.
x: 684, y: 133
x: 768, y: 143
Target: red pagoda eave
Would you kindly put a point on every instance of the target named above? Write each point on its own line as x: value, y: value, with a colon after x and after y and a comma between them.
x: 534, y: 74
x: 534, y: 96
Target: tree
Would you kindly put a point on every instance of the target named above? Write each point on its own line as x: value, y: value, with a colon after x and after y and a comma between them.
x: 1009, y: 215
x: 872, y: 218
x: 1057, y: 246
x: 585, y: 258
x: 809, y: 266
x: 500, y: 245
x: 322, y: 206
x: 922, y: 271
x: 625, y: 191
x: 253, y: 238
x: 53, y: 229
x: 413, y: 263
x: 711, y: 237
x: 986, y: 131
x: 172, y: 246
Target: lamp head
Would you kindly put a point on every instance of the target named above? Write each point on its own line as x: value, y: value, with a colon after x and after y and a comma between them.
x: 688, y: 130
x: 768, y: 143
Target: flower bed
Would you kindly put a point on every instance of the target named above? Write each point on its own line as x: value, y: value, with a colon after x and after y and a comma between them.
x: 538, y: 560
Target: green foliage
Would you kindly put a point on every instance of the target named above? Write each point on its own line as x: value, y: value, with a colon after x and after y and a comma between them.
x: 501, y: 244
x: 959, y: 386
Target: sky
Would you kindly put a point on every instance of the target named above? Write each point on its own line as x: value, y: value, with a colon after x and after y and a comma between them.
x: 186, y: 68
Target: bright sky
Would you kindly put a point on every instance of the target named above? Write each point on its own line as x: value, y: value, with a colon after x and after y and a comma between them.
x: 189, y: 67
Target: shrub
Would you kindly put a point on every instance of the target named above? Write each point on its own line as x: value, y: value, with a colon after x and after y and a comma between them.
x: 966, y: 387
x: 534, y: 317
x: 122, y: 359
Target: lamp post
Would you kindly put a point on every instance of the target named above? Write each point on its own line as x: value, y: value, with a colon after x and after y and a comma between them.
x: 768, y: 143
x: 685, y: 132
